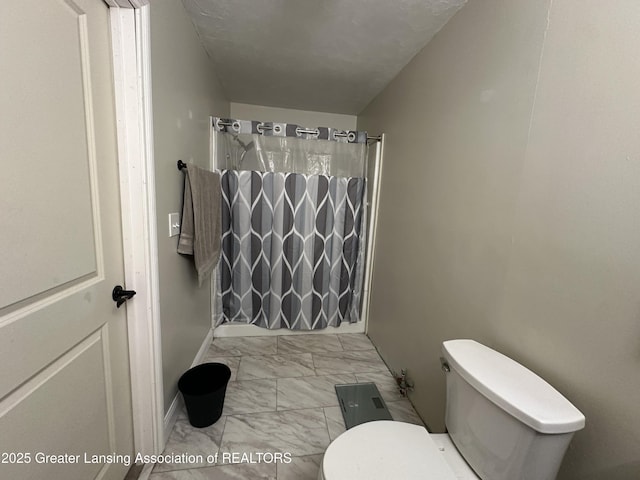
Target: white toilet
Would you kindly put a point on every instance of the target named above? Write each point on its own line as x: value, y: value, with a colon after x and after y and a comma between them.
x: 503, y: 421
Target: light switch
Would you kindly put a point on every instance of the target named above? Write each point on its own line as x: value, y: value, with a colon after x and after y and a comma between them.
x: 174, y: 224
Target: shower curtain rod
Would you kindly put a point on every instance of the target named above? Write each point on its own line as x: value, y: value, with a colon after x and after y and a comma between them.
x: 305, y: 130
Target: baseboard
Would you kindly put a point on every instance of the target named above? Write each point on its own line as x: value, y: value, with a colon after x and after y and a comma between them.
x: 176, y: 404
x: 171, y: 417
x: 245, y: 330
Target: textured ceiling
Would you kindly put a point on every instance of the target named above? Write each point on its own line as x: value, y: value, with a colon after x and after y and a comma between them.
x: 322, y: 55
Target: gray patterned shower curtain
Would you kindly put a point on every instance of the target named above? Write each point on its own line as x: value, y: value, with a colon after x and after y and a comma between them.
x: 293, y: 219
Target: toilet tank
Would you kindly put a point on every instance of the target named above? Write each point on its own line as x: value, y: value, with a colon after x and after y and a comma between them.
x: 507, y: 422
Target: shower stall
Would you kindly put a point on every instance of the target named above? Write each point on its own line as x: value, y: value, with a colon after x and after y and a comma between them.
x: 296, y: 226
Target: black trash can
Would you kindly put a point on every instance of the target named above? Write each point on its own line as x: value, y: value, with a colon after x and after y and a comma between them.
x: 203, y: 388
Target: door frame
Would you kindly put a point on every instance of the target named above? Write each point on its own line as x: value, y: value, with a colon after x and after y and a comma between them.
x: 130, y: 32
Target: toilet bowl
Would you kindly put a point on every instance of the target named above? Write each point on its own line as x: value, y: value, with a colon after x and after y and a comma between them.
x: 504, y: 422
x: 393, y: 450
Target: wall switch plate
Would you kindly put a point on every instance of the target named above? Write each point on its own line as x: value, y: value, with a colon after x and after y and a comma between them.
x: 174, y: 224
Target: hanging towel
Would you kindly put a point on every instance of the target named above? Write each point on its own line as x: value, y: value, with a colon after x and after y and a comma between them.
x: 201, y: 229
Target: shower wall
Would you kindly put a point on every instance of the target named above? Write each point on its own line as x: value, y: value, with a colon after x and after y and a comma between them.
x: 304, y: 118
x: 518, y: 224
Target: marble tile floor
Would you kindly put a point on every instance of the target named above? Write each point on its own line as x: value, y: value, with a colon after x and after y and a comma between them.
x: 280, y: 400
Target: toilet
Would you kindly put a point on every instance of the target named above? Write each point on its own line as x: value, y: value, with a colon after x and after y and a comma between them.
x: 503, y: 421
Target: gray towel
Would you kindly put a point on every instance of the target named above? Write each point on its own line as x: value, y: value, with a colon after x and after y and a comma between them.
x: 201, y: 228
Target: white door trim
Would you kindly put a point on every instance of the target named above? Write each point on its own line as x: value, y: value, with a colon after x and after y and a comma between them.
x: 127, y: 3
x: 132, y: 77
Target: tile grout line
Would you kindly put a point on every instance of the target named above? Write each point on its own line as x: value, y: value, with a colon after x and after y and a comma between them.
x: 313, y: 362
x: 326, y: 423
x: 221, y: 437
x: 224, y: 428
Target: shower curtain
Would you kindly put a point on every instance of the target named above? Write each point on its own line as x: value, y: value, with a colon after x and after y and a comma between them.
x: 293, y: 219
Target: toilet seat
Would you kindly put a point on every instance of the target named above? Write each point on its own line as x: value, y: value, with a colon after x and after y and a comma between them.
x: 384, y: 450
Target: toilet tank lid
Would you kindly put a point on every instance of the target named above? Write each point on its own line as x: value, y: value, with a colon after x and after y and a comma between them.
x: 513, y: 387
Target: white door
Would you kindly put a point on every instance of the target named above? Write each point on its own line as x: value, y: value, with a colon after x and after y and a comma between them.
x: 65, y: 394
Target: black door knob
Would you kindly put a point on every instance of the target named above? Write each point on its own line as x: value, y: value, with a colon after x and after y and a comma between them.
x: 120, y: 295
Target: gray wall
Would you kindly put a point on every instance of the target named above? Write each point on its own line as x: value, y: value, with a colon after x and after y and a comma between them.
x: 510, y: 210
x: 186, y: 92
x: 305, y: 118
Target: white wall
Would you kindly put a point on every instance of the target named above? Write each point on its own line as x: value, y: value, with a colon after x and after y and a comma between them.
x: 509, y: 214
x: 185, y: 93
x: 304, y: 118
